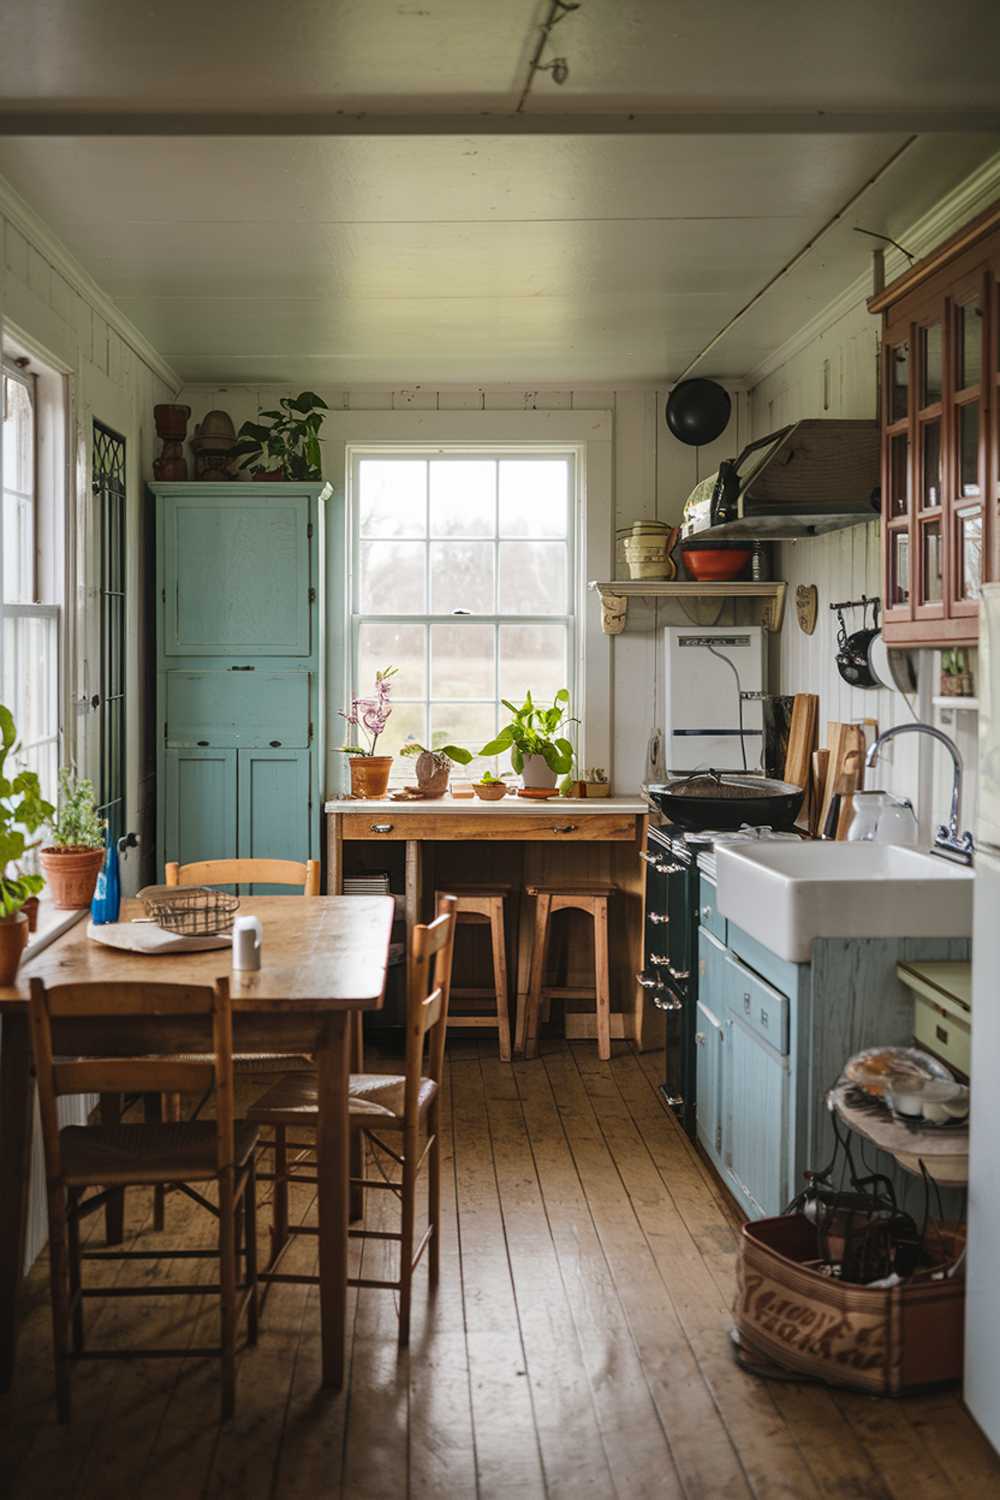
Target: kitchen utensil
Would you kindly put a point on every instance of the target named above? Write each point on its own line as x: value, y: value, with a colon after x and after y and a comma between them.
x: 709, y: 799
x: 853, y: 650
x: 718, y: 562
x: 817, y: 789
x: 248, y: 938
x: 698, y: 411
x: 849, y: 782
x: 881, y: 818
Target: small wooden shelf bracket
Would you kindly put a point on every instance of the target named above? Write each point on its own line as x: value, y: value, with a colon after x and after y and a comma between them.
x: 616, y: 594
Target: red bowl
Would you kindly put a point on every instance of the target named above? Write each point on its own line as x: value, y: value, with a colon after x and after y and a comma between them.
x: 716, y: 564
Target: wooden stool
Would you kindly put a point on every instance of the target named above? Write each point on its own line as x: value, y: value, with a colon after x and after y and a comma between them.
x: 485, y: 904
x: 548, y: 900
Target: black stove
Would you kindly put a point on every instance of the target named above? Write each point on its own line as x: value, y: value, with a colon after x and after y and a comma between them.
x: 670, y: 968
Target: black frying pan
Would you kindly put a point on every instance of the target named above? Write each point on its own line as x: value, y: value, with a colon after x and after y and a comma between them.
x: 712, y: 800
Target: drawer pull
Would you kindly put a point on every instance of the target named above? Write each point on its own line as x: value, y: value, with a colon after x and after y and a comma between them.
x: 672, y: 869
x: 763, y: 1018
x: 649, y: 981
x: 678, y: 973
x: 242, y: 669
x: 564, y: 828
x: 671, y: 1004
x: 659, y: 918
x: 746, y: 1003
x: 658, y: 961
x: 202, y: 744
x: 380, y: 827
x: 941, y: 1034
x: 275, y: 744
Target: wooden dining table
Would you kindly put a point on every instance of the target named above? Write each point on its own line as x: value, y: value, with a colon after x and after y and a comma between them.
x: 324, y: 959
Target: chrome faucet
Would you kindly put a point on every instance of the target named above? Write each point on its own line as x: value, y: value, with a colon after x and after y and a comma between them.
x: 947, y: 840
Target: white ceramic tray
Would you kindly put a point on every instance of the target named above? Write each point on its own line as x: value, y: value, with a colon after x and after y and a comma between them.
x: 146, y: 937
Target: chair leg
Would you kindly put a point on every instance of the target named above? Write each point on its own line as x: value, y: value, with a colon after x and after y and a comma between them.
x: 499, y: 944
x: 59, y: 1286
x: 153, y: 1111
x: 279, y: 1192
x: 538, y: 947
x: 356, y: 1208
x: 602, y: 979
x: 227, y: 1291
x: 73, y: 1233
x: 250, y: 1232
x: 114, y: 1212
x: 411, y: 1155
x: 434, y: 1194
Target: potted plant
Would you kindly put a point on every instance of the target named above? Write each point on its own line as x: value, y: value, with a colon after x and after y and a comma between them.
x: 23, y: 810
x: 489, y: 787
x: 537, y: 750
x: 433, y: 767
x: 283, y: 444
x: 370, y: 772
x: 74, y: 857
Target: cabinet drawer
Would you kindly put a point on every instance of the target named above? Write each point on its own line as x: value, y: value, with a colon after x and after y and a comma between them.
x: 554, y: 826
x: 245, y: 709
x: 709, y: 914
x: 943, y: 1031
x: 760, y: 1007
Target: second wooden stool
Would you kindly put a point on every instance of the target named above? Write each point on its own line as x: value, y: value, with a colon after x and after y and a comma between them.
x: 549, y: 899
x: 485, y: 904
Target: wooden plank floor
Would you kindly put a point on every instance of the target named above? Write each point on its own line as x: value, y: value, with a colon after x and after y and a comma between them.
x: 578, y: 1345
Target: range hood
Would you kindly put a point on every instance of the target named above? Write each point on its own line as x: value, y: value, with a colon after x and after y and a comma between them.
x: 808, y: 478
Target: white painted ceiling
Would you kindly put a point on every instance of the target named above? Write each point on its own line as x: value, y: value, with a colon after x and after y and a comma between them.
x: 577, y: 252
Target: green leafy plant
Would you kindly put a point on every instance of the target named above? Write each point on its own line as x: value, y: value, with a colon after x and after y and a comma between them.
x: 534, y: 730
x: 457, y: 753
x: 76, y: 824
x: 287, y: 439
x: 23, y: 810
x: 488, y: 779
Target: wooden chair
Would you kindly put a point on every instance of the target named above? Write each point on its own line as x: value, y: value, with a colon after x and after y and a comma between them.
x: 485, y: 906
x: 401, y: 1105
x: 549, y: 899
x: 111, y: 1157
x: 247, y: 872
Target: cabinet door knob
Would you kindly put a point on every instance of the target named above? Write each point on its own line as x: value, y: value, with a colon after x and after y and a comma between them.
x: 699, y: 1039
x: 706, y: 912
x: 380, y: 827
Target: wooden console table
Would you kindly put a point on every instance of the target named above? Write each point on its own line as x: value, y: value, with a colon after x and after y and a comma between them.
x: 517, y: 841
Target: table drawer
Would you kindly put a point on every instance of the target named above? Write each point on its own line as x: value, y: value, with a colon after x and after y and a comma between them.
x: 555, y: 826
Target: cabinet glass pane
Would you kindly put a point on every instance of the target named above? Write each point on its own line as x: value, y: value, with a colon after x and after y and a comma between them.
x: 899, y: 557
x: 899, y: 475
x: 930, y: 473
x: 463, y: 661
x: 932, y: 559
x: 968, y: 449
x: 969, y: 345
x: 931, y: 364
x: 899, y: 381
x: 970, y: 552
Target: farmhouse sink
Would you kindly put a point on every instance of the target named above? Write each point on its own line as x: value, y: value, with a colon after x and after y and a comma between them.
x: 785, y: 895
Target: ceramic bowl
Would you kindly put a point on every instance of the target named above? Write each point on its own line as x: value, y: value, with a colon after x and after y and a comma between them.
x: 489, y: 791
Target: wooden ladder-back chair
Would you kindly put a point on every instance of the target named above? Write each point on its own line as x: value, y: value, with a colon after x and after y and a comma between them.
x: 401, y: 1105
x: 247, y: 872
x: 92, y: 1020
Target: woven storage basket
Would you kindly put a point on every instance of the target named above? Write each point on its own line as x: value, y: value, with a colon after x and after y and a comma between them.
x: 885, y: 1341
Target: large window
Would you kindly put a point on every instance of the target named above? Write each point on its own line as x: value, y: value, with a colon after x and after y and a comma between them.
x: 464, y: 579
x: 109, y: 502
x: 31, y: 592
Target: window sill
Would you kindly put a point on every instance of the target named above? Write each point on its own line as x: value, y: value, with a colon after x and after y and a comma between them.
x: 52, y: 923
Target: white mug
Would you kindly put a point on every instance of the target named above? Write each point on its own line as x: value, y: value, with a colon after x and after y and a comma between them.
x: 247, y: 939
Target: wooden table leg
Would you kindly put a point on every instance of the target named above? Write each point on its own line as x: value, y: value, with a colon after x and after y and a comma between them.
x: 357, y: 1140
x: 114, y: 1212
x: 332, y: 1063
x: 17, y: 1107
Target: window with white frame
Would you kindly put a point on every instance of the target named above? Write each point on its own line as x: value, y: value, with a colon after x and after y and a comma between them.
x: 463, y: 578
x: 32, y: 584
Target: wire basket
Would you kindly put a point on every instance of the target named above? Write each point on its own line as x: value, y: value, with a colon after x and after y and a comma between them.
x: 192, y: 911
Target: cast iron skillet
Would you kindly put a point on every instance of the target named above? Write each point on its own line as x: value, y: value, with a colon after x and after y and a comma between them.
x: 709, y: 799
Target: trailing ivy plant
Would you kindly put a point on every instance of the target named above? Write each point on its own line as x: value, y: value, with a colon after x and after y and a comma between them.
x: 76, y: 825
x: 23, y: 810
x: 534, y: 730
x: 287, y: 439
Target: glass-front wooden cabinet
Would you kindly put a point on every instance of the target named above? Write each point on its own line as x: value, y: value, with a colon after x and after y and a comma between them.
x: 940, y: 390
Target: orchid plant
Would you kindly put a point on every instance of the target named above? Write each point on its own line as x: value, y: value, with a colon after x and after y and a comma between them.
x: 370, y: 715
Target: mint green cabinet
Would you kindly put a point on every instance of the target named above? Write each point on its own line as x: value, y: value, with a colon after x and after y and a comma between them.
x: 709, y: 1039
x: 199, y: 805
x: 273, y: 802
x: 757, y: 1126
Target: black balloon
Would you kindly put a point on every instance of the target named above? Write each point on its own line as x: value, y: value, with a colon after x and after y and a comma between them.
x: 698, y: 411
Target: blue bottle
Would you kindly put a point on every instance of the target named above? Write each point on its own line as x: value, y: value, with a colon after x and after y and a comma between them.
x: 108, y: 891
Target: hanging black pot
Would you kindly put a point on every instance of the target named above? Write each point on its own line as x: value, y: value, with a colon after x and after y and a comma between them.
x: 698, y: 411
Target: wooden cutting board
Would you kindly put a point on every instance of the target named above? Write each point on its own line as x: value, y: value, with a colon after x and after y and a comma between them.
x: 842, y: 740
x: 801, y: 744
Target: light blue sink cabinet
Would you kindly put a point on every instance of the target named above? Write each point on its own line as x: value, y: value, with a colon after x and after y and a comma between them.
x: 240, y: 670
x: 771, y: 1038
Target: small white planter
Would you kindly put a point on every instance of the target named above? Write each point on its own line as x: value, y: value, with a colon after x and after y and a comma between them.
x: 537, y: 773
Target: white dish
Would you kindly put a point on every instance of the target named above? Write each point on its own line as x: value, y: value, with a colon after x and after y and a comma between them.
x: 146, y: 937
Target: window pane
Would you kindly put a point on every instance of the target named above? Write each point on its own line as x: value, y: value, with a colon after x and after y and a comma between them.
x: 968, y: 443
x: 463, y: 500
x: 533, y: 578
x: 401, y: 646
x: 408, y: 721
x: 18, y: 540
x: 18, y: 438
x: 393, y: 578
x: 932, y: 563
x: 471, y: 725
x: 899, y: 381
x: 932, y: 365
x: 532, y: 657
x: 462, y: 664
x: 534, y: 497
x: 970, y: 345
x: 462, y: 577
x: 930, y: 484
x: 971, y: 553
x: 393, y: 497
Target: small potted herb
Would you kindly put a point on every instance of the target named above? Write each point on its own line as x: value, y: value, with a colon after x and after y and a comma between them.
x: 23, y: 810
x: 489, y: 788
x: 73, y: 859
x: 370, y: 772
x: 538, y: 752
x: 283, y: 444
x: 433, y: 767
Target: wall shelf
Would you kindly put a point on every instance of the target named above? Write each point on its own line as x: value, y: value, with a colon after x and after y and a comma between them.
x: 968, y: 705
x: 616, y: 594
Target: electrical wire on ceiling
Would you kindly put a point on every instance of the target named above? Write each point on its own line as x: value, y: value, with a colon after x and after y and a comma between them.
x: 558, y: 67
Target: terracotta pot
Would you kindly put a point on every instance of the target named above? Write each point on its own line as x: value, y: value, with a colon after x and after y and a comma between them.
x: 30, y: 909
x: 537, y: 773
x: 171, y: 421
x: 489, y: 791
x: 13, y: 936
x: 370, y: 775
x: 71, y: 875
